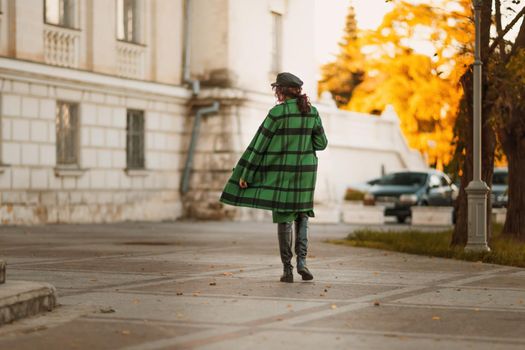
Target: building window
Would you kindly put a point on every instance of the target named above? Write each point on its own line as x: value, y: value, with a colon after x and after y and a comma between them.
x: 277, y: 34
x: 67, y: 133
x: 129, y: 20
x: 61, y: 13
x: 135, y: 139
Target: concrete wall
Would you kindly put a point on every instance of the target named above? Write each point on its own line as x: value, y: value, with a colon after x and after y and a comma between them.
x: 361, y: 146
x: 209, y: 38
x: 31, y: 190
x: 25, y: 18
x: 232, y: 42
x: 4, y: 27
x: 166, y: 38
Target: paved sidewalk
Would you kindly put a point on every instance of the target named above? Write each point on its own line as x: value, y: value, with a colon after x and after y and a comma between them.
x: 187, y: 285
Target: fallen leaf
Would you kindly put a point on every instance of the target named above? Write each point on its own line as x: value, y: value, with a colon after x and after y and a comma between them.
x: 333, y: 306
x: 180, y: 293
x: 227, y: 274
x: 125, y: 332
x: 436, y: 318
x: 326, y: 290
x: 321, y: 295
x: 376, y: 303
x: 107, y: 310
x: 213, y: 283
x: 279, y: 319
x: 136, y: 301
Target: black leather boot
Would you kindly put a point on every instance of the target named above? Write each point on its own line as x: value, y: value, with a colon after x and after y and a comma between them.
x: 284, y: 233
x: 301, y: 246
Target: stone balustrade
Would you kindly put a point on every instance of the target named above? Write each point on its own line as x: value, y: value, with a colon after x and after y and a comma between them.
x: 61, y: 46
x: 130, y: 60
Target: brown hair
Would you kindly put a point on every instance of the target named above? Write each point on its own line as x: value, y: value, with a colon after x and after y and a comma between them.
x: 303, y: 102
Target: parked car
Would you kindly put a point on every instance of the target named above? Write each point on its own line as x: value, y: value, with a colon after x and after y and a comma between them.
x: 399, y: 191
x: 500, y: 182
x: 363, y: 186
x: 498, y: 192
x: 502, y: 199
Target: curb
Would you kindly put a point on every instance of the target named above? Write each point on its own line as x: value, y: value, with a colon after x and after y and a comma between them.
x: 19, y: 299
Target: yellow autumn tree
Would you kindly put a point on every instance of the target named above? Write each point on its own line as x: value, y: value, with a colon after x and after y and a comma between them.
x: 414, y: 61
x: 343, y: 75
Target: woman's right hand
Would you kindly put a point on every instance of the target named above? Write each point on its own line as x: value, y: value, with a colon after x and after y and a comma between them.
x: 243, y: 183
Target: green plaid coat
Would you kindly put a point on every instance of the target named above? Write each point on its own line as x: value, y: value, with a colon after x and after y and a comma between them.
x: 280, y: 164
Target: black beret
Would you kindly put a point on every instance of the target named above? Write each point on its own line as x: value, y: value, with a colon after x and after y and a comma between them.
x: 287, y: 80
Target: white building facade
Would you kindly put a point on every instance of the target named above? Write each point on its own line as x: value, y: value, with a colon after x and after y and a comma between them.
x: 97, y: 118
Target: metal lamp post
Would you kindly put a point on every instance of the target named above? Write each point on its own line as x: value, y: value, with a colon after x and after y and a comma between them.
x: 477, y: 190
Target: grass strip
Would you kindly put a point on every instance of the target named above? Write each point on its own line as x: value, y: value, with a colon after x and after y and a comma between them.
x: 504, y: 251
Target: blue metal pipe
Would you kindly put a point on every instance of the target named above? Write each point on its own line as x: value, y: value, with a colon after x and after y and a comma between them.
x: 193, y: 143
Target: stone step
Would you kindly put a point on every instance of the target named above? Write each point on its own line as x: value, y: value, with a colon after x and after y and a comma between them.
x: 2, y: 271
x: 19, y: 299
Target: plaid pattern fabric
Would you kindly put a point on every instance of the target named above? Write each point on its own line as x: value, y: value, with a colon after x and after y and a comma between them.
x: 280, y: 164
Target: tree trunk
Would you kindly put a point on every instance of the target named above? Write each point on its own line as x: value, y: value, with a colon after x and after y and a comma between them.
x: 488, y: 141
x: 512, y: 136
x: 465, y: 134
x: 515, y: 221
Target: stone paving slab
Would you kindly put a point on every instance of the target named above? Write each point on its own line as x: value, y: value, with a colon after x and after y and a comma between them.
x: 484, y: 297
x: 99, y: 334
x: 262, y: 288
x: 65, y: 281
x: 390, y: 318
x: 214, y: 285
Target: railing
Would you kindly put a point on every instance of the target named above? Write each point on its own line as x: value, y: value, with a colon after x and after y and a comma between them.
x: 130, y: 60
x: 61, y: 46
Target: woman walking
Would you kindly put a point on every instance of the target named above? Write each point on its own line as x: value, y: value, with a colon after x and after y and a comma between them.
x: 278, y: 170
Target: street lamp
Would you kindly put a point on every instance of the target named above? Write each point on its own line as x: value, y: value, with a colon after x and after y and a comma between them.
x: 477, y: 190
